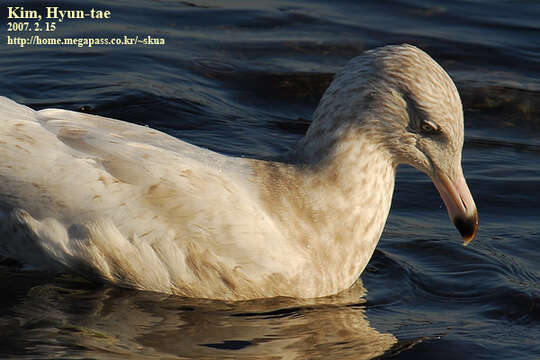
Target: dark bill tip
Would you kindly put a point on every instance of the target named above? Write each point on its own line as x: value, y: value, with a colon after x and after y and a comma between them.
x: 467, y: 227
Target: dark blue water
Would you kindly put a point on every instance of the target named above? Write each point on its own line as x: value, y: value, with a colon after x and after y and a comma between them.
x: 242, y: 77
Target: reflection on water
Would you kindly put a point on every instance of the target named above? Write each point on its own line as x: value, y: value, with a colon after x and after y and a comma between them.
x: 242, y: 77
x: 68, y: 317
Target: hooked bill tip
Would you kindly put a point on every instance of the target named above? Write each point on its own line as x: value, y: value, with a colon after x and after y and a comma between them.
x: 467, y: 227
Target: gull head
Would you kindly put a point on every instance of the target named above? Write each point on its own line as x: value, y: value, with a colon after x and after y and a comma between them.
x: 409, y: 105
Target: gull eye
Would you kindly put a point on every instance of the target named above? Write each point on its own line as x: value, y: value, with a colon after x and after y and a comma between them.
x: 429, y: 127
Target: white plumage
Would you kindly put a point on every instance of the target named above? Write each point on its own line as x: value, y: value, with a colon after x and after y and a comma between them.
x: 139, y: 208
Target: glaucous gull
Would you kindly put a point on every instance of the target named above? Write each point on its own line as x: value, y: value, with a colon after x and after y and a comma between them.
x: 125, y: 203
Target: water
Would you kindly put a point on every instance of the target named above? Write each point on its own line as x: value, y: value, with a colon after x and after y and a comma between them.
x: 242, y: 77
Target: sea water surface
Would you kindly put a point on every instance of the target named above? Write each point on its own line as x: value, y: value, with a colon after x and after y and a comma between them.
x: 242, y: 78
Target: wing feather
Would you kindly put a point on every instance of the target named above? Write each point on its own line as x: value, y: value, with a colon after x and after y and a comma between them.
x: 133, y: 204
